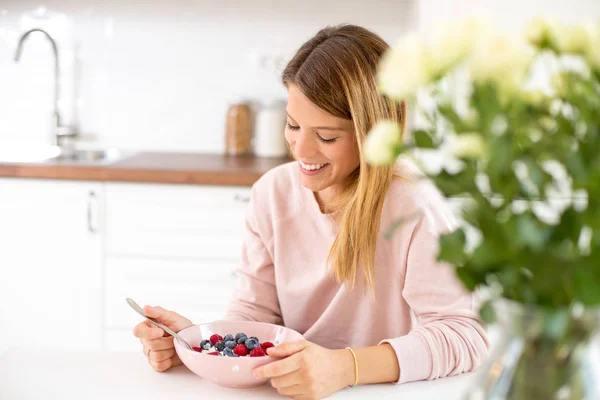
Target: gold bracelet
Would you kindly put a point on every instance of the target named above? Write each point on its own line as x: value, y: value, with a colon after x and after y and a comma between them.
x: 355, y: 366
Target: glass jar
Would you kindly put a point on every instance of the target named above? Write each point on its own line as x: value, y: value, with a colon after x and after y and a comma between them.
x: 238, y: 129
x: 269, y: 130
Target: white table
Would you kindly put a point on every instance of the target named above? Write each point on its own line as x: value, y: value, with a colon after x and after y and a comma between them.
x: 89, y: 375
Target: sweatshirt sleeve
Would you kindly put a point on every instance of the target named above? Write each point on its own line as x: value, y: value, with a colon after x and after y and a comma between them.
x: 448, y: 338
x: 255, y: 297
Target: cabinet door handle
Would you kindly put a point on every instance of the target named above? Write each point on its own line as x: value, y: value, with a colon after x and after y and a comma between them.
x: 92, y: 212
x: 241, y: 199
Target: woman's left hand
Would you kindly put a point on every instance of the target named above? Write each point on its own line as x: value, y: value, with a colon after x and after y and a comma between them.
x: 308, y: 371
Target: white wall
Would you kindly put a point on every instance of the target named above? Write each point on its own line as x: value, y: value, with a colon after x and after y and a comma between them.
x: 506, y: 14
x: 158, y: 74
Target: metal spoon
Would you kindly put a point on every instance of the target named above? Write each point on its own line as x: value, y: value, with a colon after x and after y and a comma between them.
x: 171, y: 332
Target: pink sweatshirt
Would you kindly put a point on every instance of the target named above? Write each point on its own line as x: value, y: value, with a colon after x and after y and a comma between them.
x: 283, y: 278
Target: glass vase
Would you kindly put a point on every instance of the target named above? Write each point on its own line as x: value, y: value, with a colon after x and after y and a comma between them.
x: 543, y: 354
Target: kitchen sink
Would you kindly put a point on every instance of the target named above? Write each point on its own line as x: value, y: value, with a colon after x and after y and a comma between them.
x: 53, y: 154
x: 94, y: 156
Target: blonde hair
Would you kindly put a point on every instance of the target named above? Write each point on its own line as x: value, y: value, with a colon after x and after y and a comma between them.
x: 336, y: 71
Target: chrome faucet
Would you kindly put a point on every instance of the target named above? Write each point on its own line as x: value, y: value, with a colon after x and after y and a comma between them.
x: 58, y: 131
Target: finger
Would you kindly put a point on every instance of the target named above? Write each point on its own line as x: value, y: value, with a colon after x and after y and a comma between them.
x: 158, y: 344
x: 279, y: 368
x: 161, y: 366
x: 144, y: 331
x: 167, y: 317
x: 295, y: 390
x: 287, y: 380
x: 287, y: 349
x: 161, y: 355
x: 175, y: 361
x: 152, y: 326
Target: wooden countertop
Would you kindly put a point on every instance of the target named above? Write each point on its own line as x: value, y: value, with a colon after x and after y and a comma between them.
x: 152, y: 167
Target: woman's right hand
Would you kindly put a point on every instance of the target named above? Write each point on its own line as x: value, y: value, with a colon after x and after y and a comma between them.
x: 157, y: 344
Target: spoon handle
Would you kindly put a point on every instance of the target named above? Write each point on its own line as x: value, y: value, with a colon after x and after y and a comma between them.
x: 171, y: 332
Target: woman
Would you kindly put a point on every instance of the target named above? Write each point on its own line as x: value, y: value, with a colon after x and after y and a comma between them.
x: 315, y: 258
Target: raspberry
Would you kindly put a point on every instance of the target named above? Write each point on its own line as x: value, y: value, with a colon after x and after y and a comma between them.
x: 266, y: 345
x: 196, y: 348
x: 240, y: 350
x: 215, y: 338
x: 257, y: 352
x: 214, y: 353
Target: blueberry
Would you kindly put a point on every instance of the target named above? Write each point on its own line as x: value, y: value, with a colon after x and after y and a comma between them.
x: 251, y: 343
x: 219, y: 346
x: 206, y: 344
x: 254, y: 337
x: 229, y: 353
x: 227, y: 338
x: 239, y: 335
x: 231, y: 344
x: 242, y: 339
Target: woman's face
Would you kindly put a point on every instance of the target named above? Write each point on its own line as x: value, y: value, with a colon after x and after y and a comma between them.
x: 324, y: 145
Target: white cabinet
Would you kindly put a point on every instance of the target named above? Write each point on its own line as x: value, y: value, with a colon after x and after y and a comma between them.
x: 71, y: 252
x: 50, y: 263
x: 176, y: 246
x: 200, y: 222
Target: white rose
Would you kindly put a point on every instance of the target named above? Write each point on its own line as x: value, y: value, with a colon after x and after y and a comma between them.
x: 380, y: 146
x: 558, y: 84
x: 535, y: 97
x: 467, y: 145
x: 592, y: 54
x: 541, y: 30
x: 501, y: 61
x: 403, y: 69
x: 455, y: 44
x: 575, y: 39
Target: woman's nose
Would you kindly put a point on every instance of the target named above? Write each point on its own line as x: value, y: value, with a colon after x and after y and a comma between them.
x: 303, y: 146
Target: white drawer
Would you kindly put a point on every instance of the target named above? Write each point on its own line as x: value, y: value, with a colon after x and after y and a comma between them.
x: 197, y: 290
x: 163, y: 244
x: 171, y: 220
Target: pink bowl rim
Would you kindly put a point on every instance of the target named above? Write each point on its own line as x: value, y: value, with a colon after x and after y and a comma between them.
x: 182, y: 347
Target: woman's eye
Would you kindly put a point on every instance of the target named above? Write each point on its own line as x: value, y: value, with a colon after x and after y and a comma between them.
x: 295, y: 128
x: 329, y: 141
x: 292, y: 127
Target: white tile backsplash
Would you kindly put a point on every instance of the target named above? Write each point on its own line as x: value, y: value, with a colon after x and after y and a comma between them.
x: 157, y: 75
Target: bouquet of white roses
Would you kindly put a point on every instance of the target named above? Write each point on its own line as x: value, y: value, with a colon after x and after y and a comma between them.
x: 516, y: 125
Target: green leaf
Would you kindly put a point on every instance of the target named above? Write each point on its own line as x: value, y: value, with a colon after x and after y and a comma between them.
x: 467, y: 277
x: 459, y: 183
x: 587, y: 282
x: 569, y: 226
x: 423, y: 139
x: 458, y: 123
x: 452, y: 247
x: 486, y: 100
x: 556, y: 323
x: 577, y: 169
x: 530, y: 232
x: 487, y: 312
